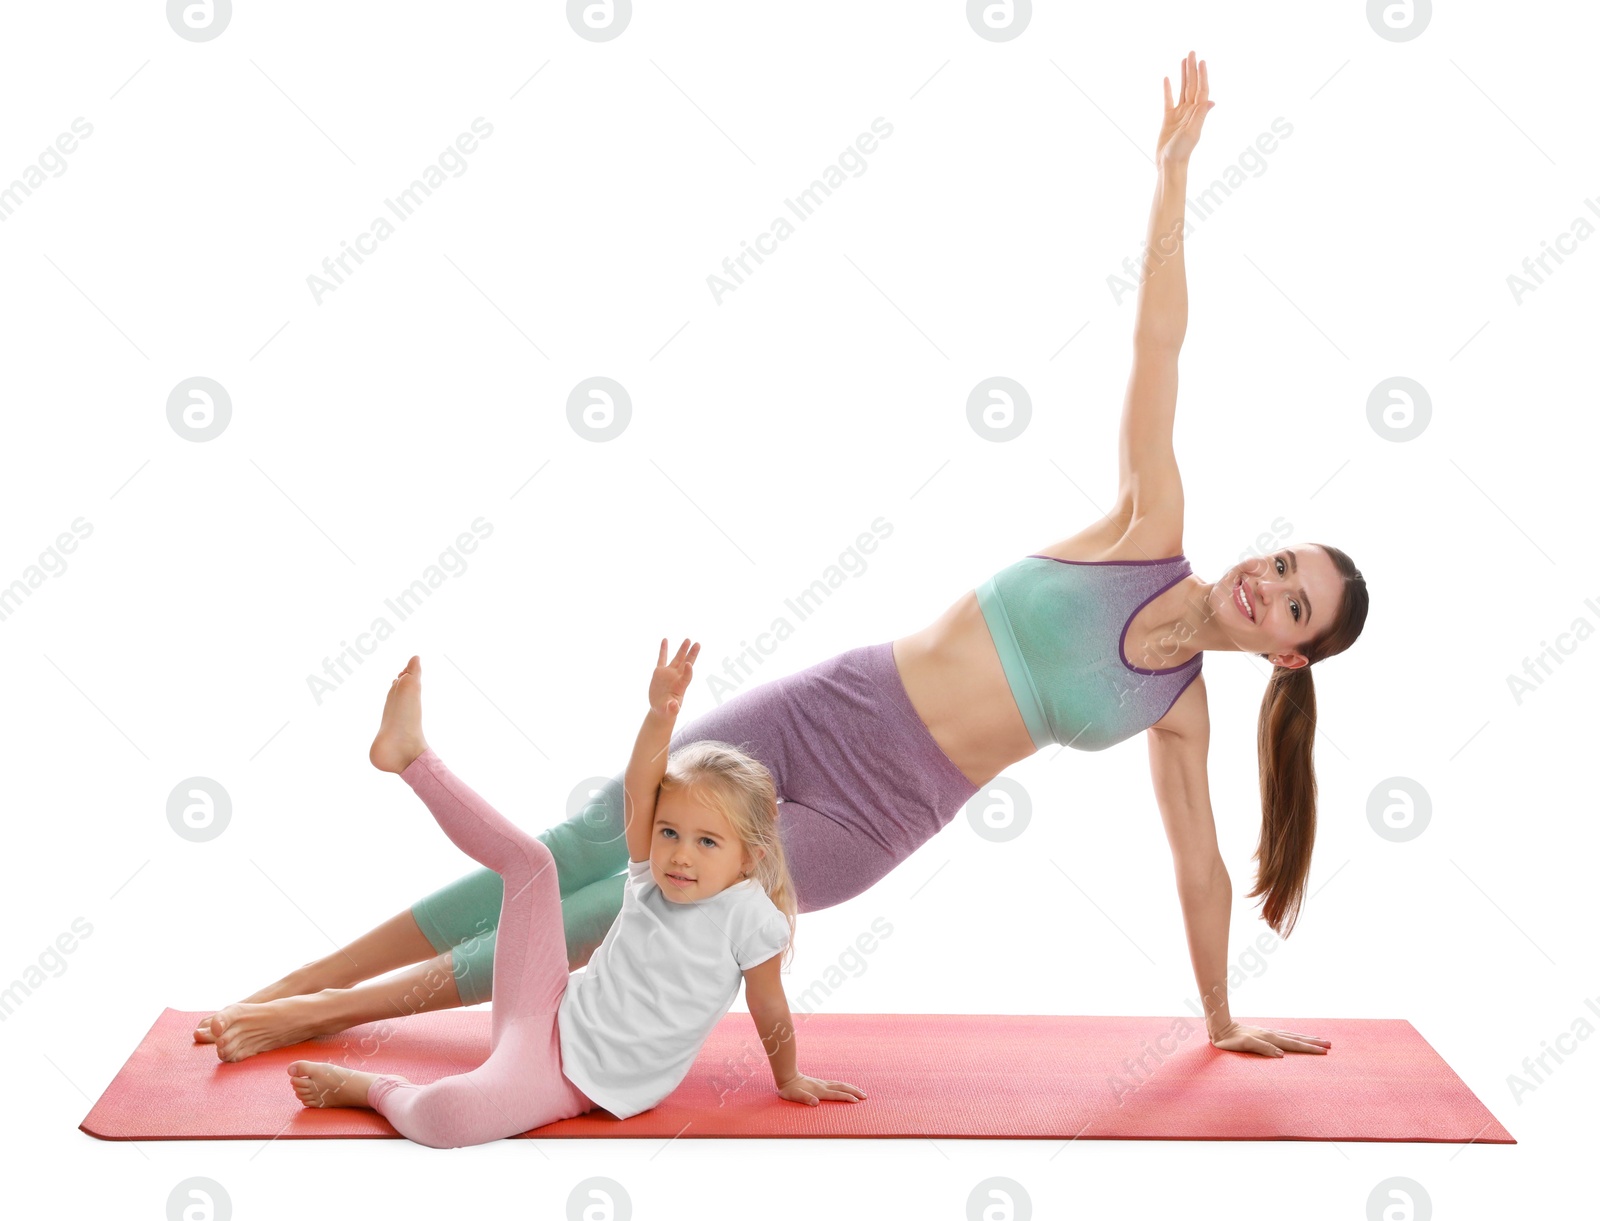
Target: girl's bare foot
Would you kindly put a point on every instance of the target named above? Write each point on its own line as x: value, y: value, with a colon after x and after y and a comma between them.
x: 320, y: 1084
x: 400, y: 739
x: 242, y: 1030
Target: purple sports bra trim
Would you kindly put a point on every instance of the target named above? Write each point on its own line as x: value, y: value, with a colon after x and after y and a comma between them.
x: 1059, y: 560
x: 1122, y: 638
x: 1182, y: 689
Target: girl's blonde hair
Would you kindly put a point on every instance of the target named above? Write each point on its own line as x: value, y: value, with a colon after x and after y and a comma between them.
x: 741, y: 787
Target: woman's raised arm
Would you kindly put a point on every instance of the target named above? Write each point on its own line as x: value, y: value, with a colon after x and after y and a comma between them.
x: 1147, y: 468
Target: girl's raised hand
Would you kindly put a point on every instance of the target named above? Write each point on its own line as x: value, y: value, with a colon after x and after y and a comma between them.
x: 671, y: 678
x: 811, y: 1090
x: 1181, y: 122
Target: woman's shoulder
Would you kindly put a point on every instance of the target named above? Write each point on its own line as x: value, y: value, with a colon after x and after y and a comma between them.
x: 1111, y: 541
x: 1189, y: 715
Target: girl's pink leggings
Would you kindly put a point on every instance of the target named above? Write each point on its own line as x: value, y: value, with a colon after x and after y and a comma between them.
x: 520, y: 1086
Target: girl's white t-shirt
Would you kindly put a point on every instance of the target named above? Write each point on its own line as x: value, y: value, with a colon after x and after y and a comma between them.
x: 633, y: 1021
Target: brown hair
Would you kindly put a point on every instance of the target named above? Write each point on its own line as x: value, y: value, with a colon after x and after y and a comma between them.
x: 742, y: 788
x: 1284, y: 734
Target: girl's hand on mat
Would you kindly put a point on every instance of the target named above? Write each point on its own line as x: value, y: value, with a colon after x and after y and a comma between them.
x: 1265, y: 1042
x: 1181, y: 122
x: 810, y: 1090
x: 671, y: 678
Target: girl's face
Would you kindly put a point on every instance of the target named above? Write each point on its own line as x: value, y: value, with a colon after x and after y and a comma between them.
x: 693, y: 852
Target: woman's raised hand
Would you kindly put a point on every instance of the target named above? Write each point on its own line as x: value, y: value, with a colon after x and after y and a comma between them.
x: 671, y: 678
x: 1180, y: 124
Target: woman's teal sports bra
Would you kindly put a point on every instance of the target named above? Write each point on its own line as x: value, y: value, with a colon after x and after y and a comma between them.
x: 1059, y: 626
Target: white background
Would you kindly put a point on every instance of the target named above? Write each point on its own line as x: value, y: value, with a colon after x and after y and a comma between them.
x: 768, y: 431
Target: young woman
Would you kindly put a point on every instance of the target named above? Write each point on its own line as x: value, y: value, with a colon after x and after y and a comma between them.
x: 1085, y: 643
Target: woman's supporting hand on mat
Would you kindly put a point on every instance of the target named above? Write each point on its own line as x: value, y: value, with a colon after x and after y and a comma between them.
x: 1264, y: 1042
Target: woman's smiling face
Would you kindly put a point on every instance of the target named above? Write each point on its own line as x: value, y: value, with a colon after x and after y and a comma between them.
x: 1275, y: 604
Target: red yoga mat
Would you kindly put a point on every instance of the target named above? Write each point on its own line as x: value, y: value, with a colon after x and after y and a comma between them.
x: 940, y: 1075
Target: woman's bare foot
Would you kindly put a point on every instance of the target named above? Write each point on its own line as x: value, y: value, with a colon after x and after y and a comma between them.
x: 300, y: 982
x: 242, y: 1030
x: 320, y: 1084
x: 400, y: 739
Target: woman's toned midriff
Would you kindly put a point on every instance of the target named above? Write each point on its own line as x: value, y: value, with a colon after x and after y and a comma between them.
x: 952, y: 672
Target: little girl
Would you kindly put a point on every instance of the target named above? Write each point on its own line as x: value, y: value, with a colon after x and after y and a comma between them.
x: 708, y: 900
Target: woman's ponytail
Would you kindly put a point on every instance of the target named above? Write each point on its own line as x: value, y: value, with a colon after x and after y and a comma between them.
x: 1285, y: 731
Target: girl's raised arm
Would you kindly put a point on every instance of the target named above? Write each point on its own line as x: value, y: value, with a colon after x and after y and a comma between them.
x: 641, y: 783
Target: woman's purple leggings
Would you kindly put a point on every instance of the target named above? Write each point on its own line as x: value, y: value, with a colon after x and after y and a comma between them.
x: 521, y: 1085
x: 862, y: 782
